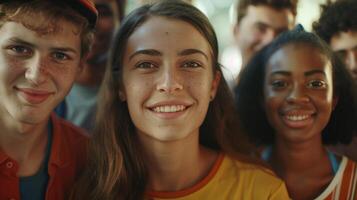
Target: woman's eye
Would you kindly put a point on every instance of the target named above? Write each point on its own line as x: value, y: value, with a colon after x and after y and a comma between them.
x: 317, y: 84
x: 145, y: 65
x: 191, y: 65
x: 278, y: 84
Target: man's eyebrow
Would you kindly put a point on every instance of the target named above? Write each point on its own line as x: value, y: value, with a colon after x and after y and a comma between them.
x: 266, y: 25
x: 64, y: 49
x: 260, y: 22
x: 20, y: 41
x: 150, y: 52
x: 192, y: 51
x: 23, y: 42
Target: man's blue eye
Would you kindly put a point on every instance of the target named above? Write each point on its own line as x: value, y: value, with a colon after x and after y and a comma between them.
x: 60, y: 56
x: 21, y: 50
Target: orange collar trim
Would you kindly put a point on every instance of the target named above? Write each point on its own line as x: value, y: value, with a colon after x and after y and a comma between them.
x: 194, y: 188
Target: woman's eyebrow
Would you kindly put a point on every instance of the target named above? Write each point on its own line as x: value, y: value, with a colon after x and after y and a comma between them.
x: 315, y: 71
x: 186, y: 52
x: 150, y: 52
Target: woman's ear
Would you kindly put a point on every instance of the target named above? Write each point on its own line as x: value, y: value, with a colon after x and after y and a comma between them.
x: 215, y: 83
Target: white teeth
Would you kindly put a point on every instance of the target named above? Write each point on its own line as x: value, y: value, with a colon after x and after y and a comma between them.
x: 169, y: 109
x: 297, y: 117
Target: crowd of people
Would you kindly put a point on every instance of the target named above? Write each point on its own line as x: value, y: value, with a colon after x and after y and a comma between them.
x: 102, y: 105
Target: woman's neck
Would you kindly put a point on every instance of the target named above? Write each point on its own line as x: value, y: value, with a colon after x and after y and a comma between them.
x: 305, y: 162
x: 297, y: 157
x: 177, y: 165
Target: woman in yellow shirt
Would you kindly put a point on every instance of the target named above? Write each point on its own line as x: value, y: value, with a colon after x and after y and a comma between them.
x: 165, y: 123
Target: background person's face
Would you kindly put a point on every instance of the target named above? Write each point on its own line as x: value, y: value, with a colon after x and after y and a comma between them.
x: 345, y: 45
x: 108, y: 18
x: 259, y: 27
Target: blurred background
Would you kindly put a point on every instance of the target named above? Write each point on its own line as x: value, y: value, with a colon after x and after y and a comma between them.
x: 222, y: 15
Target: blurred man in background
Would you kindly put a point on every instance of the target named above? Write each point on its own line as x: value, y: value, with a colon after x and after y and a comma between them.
x: 337, y: 25
x: 79, y: 106
x: 260, y: 21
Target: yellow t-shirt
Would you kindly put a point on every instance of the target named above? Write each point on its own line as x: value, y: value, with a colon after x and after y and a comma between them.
x: 231, y: 179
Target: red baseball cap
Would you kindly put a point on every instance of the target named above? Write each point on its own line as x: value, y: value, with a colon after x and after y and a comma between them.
x: 84, y: 7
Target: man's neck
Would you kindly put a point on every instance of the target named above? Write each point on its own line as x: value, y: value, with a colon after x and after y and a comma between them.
x: 24, y: 143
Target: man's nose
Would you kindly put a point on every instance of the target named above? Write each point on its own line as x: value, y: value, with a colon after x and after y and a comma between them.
x: 36, y: 71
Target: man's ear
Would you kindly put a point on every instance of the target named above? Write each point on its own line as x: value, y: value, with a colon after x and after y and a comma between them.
x: 215, y: 84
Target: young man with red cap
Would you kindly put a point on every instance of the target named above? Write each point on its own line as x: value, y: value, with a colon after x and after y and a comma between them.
x: 42, y: 46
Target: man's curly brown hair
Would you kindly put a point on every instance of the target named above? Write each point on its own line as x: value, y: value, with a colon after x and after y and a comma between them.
x: 336, y: 17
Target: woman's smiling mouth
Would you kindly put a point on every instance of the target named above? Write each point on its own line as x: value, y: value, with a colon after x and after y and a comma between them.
x: 298, y: 119
x: 169, y: 108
